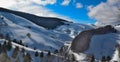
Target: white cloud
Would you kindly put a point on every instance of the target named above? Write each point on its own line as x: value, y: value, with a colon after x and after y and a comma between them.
x: 27, y: 6
x: 8, y: 3
x: 108, y: 12
x: 79, y: 5
x: 30, y: 7
x: 44, y: 2
x: 65, y: 2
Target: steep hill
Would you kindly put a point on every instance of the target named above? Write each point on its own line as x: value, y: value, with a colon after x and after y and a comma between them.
x: 46, y: 22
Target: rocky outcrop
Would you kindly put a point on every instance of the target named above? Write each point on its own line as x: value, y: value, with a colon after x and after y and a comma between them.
x: 104, y: 30
x: 81, y: 42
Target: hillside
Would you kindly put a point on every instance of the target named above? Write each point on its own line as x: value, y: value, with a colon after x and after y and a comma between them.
x: 16, y: 27
x: 46, y: 22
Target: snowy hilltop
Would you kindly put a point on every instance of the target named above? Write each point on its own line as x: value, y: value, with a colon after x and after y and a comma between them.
x: 28, y: 38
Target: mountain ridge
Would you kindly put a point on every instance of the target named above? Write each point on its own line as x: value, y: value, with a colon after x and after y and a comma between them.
x: 49, y: 22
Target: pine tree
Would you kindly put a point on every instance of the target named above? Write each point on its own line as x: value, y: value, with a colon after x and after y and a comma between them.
x: 49, y: 53
x: 2, y: 18
x: 7, y: 37
x: 108, y: 58
x: 56, y: 51
x: 28, y: 34
x: 4, y: 47
x: 22, y: 50
x: 103, y: 59
x: 48, y: 57
x: 20, y: 42
x: 14, y: 40
x: 41, y: 55
x: 9, y: 45
x: 26, y: 45
x: 73, y: 58
x: 92, y: 58
x: 5, y: 43
x: 35, y: 48
x: 36, y: 54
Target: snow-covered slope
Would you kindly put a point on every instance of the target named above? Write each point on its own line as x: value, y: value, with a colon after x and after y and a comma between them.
x: 40, y: 38
x: 18, y: 27
x: 49, y: 22
x: 103, y: 45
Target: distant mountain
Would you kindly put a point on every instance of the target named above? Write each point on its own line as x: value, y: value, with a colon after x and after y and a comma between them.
x: 46, y: 22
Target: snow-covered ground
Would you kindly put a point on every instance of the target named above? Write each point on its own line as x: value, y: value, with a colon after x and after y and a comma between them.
x: 103, y: 45
x: 43, y: 39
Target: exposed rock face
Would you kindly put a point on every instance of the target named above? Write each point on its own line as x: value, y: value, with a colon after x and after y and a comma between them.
x: 104, y: 30
x: 82, y: 41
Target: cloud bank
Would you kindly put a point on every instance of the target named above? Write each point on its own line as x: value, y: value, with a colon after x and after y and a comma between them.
x: 8, y: 3
x: 30, y: 6
x: 106, y: 12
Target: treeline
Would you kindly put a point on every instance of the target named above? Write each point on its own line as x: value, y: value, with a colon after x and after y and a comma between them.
x: 19, y: 53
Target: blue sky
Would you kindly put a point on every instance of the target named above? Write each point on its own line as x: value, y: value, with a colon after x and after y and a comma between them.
x: 76, y: 10
x: 102, y: 11
x: 78, y: 14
